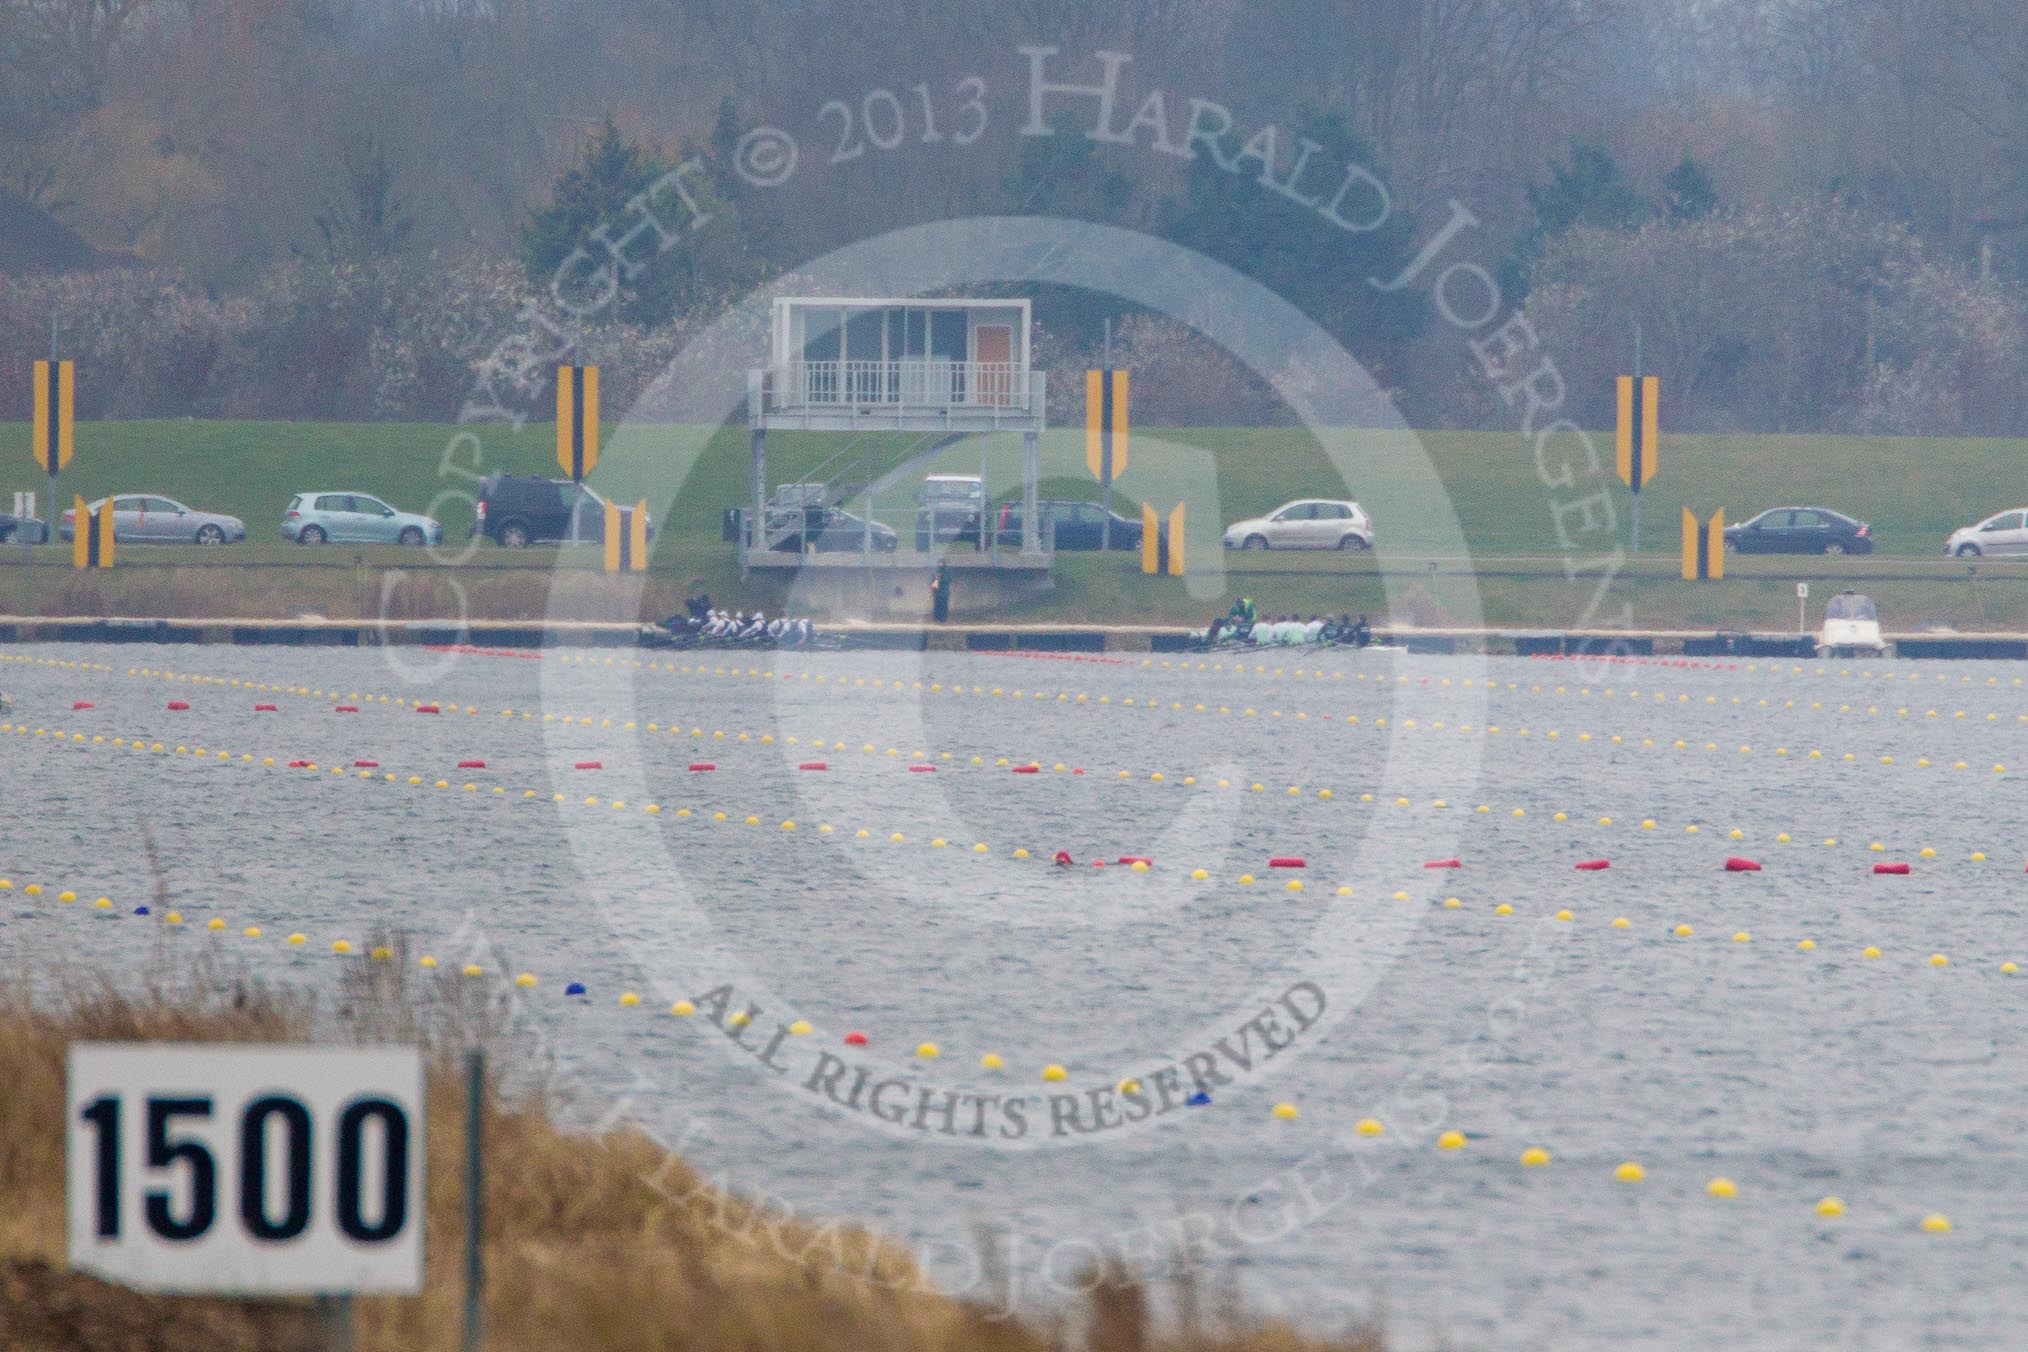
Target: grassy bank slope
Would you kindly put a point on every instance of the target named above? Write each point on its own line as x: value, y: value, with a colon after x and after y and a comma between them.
x: 1914, y: 490
x: 606, y: 1243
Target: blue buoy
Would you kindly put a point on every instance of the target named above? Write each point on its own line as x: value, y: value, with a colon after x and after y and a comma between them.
x: 140, y: 910
x: 1200, y: 1099
x: 574, y: 988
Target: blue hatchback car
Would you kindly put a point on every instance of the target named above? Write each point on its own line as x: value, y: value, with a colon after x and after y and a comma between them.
x: 354, y: 518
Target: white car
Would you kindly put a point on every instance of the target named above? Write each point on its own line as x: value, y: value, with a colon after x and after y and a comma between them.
x: 2002, y: 534
x: 1309, y: 523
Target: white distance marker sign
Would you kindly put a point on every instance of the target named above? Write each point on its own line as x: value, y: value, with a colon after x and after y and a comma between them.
x: 247, y: 1169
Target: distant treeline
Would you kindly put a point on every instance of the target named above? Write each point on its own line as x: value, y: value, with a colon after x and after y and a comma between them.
x: 1814, y: 212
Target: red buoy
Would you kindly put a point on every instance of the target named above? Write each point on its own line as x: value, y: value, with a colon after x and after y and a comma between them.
x: 590, y: 765
x: 179, y: 704
x: 1890, y: 868
x: 366, y: 765
x: 82, y: 704
x: 704, y: 765
x: 1098, y: 863
x: 1027, y: 769
x: 264, y: 708
x: 1288, y: 861
x: 922, y: 769
x: 1735, y: 864
x: 298, y: 764
x: 427, y: 709
x: 1443, y: 863
x: 1593, y: 865
x: 472, y: 765
x: 1132, y: 859
x: 345, y: 709
x: 855, y: 1039
x: 814, y: 765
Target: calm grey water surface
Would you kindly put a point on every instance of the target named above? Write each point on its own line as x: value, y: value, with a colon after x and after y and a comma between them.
x: 1890, y: 1083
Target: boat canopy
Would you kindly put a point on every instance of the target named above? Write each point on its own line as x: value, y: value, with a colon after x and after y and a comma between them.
x: 1851, y: 606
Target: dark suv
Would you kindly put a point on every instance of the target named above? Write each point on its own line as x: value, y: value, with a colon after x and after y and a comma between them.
x: 518, y: 510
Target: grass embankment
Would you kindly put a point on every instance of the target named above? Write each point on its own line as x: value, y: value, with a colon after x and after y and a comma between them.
x: 593, y: 1243
x: 1914, y: 491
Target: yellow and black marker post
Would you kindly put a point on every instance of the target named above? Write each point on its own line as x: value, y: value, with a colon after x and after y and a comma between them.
x: 577, y: 420
x: 1640, y: 453
x: 1162, y: 541
x: 1703, y: 547
x: 91, y: 541
x: 1105, y: 435
x: 53, y: 435
x: 627, y: 537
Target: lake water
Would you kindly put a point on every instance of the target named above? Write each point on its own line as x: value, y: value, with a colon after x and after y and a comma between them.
x: 1891, y: 1083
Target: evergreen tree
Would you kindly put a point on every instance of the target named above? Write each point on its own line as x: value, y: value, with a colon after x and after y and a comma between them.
x: 1687, y: 191
x: 699, y: 260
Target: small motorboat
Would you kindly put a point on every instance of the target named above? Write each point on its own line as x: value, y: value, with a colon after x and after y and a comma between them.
x: 1851, y: 628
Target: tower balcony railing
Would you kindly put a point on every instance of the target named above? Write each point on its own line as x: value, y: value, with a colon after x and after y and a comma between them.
x: 912, y: 383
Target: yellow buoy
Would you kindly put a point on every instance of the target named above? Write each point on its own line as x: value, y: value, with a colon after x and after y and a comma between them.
x: 1722, y: 1187
x: 1830, y: 1208
x: 1534, y: 1157
x: 629, y: 999
x: 1806, y: 945
x: 1368, y: 1126
x: 682, y: 1009
x: 1621, y: 922
x: 1869, y: 952
x: 1054, y: 1073
x: 1451, y: 1140
x: 1285, y: 1111
x: 1684, y: 931
x: 928, y: 1051
x: 991, y: 1061
x: 1629, y: 1172
x: 1936, y: 1223
x: 1504, y: 908
x: 526, y: 980
x: 1939, y: 960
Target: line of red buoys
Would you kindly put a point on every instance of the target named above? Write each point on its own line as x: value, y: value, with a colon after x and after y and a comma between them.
x: 1593, y: 865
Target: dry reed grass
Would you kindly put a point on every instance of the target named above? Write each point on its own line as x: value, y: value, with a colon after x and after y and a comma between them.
x: 604, y: 1242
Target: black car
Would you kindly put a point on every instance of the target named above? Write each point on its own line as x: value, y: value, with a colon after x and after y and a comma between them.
x: 1800, y: 530
x: 27, y: 530
x: 1078, y: 525
x: 518, y: 510
x: 829, y: 531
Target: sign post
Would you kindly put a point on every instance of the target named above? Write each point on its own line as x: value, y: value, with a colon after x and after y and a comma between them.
x: 91, y: 542
x: 247, y: 1170
x: 1802, y: 607
x: 1703, y: 547
x: 577, y: 429
x: 1105, y: 435
x: 1639, y: 436
x: 626, y: 537
x: 1162, y: 541
x: 53, y: 432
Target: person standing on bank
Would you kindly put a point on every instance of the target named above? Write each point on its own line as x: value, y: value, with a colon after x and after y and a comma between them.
x: 940, y: 592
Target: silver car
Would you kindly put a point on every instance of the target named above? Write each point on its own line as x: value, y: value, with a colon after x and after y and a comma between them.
x: 143, y: 519
x: 2004, y: 534
x: 1307, y: 523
